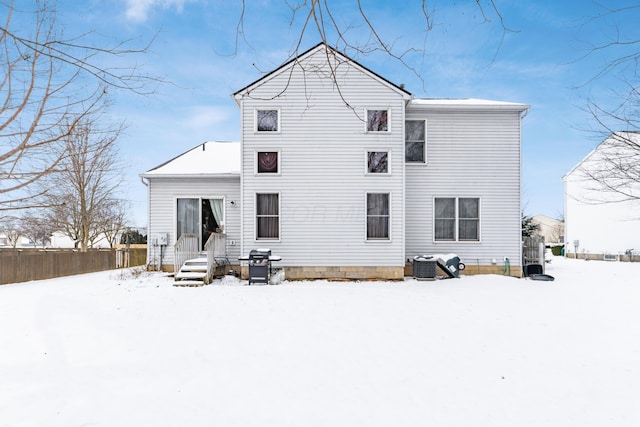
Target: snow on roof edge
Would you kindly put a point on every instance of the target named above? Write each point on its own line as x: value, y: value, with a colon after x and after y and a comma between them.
x: 205, y: 159
x: 466, y: 102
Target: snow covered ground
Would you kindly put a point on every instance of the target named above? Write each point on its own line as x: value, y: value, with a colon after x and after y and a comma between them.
x: 106, y: 350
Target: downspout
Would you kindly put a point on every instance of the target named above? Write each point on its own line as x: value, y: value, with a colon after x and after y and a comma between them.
x: 523, y: 114
x: 146, y: 184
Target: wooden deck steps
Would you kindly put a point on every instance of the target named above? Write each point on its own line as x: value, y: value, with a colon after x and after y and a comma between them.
x: 194, y: 271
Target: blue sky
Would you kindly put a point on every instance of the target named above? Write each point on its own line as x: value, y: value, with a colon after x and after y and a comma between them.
x: 540, y: 61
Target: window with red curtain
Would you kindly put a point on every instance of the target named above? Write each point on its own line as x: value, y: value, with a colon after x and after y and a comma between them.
x: 268, y: 162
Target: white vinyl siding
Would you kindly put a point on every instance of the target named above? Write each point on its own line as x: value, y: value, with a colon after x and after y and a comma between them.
x: 474, y: 154
x: 163, y: 196
x: 322, y: 148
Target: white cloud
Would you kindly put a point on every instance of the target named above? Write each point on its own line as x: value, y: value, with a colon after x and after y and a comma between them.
x: 138, y: 10
x: 204, y: 117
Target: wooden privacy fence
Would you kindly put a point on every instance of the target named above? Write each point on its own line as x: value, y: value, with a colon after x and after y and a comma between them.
x: 22, y: 265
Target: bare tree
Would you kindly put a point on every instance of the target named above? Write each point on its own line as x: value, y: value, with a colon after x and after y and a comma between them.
x: 612, y: 171
x: 36, y: 228
x: 48, y: 85
x: 80, y: 193
x: 110, y: 221
x: 360, y: 34
x: 62, y: 213
x: 11, y: 229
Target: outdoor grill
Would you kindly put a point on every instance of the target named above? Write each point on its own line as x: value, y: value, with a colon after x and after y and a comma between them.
x: 259, y: 266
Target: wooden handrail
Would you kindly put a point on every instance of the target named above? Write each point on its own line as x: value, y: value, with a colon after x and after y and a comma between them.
x: 215, y: 247
x: 185, y: 248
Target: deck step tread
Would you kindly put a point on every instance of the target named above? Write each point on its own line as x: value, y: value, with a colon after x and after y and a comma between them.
x: 188, y: 283
x: 190, y: 275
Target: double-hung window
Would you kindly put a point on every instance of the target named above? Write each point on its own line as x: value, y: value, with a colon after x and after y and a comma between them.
x: 415, y: 141
x: 267, y: 216
x: 378, y: 217
x: 457, y: 219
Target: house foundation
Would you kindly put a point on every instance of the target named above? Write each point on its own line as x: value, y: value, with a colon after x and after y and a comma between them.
x: 338, y: 273
x: 471, y: 270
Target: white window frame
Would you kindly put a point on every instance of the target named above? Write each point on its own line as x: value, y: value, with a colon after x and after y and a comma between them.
x: 366, y: 120
x: 255, y: 121
x: 255, y: 217
x: 255, y: 162
x: 456, y: 230
x: 366, y: 217
x: 366, y: 162
x: 424, y: 154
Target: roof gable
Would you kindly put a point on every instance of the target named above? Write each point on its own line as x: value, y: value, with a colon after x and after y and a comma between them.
x: 208, y: 158
x: 613, y: 145
x: 324, y: 49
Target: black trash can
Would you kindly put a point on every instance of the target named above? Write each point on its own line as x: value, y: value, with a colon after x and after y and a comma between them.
x: 424, y: 268
x: 531, y: 269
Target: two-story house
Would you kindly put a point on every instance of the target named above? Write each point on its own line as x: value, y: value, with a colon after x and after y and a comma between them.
x: 345, y: 175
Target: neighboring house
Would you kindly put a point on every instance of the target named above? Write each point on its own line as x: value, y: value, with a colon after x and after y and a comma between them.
x: 345, y: 175
x: 57, y: 240
x: 551, y: 229
x: 21, y: 242
x: 61, y: 240
x: 598, y: 220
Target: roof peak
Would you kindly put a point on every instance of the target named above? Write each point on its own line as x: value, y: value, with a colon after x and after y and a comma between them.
x: 301, y: 56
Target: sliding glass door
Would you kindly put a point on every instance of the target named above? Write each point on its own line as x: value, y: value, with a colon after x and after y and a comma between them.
x: 199, y: 216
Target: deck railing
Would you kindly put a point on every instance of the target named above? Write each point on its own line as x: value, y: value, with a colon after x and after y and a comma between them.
x: 216, y: 248
x: 185, y: 248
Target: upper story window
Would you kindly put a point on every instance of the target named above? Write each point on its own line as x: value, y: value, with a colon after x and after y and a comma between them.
x: 268, y: 162
x: 457, y: 219
x: 378, y: 162
x: 415, y: 141
x: 267, y: 120
x: 377, y: 120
